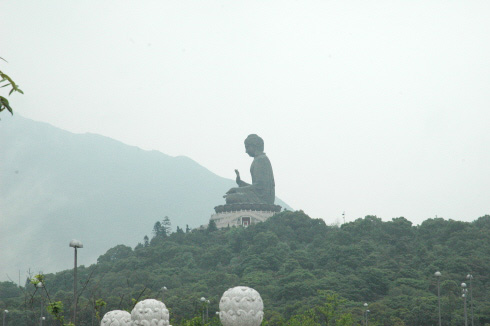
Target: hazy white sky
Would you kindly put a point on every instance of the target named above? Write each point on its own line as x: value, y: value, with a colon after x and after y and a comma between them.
x: 368, y: 107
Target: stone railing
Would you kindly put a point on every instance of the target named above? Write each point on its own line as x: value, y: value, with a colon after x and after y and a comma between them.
x: 247, y: 207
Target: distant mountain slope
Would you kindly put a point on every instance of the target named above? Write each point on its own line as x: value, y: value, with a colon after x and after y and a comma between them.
x: 56, y: 185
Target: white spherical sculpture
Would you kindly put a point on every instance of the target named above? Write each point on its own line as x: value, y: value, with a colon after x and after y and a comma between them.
x: 241, y: 306
x: 116, y: 318
x: 150, y: 312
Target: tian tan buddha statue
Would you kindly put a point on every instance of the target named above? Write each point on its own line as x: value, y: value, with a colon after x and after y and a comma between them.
x: 262, y: 189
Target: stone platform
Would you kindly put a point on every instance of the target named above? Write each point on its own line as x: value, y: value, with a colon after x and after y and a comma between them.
x: 243, y: 214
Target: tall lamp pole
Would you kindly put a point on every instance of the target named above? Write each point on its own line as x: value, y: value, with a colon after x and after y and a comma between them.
x: 40, y: 286
x: 203, y: 300
x: 163, y: 289
x: 207, y: 312
x: 205, y: 303
x: 438, y: 276
x: 470, y: 277
x: 5, y: 312
x: 465, y: 293
x: 366, y: 312
x: 75, y: 244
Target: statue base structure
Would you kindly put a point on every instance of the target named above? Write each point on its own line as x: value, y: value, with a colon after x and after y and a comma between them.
x: 243, y: 214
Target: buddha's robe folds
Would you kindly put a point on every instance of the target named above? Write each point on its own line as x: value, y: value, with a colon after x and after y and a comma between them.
x: 262, y: 189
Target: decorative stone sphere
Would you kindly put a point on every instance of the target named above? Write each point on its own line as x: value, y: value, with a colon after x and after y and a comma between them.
x: 150, y: 312
x: 241, y: 306
x: 116, y: 318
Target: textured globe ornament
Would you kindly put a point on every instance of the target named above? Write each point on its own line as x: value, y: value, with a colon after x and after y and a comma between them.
x: 150, y: 312
x: 116, y: 318
x: 241, y: 306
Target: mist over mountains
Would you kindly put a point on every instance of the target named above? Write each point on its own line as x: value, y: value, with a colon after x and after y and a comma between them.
x: 57, y: 186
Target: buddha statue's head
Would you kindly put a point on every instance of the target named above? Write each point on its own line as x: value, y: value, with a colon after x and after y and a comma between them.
x: 254, y: 145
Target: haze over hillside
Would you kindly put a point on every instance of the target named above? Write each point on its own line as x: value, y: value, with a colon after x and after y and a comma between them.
x: 56, y: 186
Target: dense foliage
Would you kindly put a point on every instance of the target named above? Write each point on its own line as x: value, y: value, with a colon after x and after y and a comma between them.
x: 308, y: 273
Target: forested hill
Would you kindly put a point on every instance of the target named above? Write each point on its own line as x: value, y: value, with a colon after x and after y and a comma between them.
x: 308, y: 273
x: 57, y: 186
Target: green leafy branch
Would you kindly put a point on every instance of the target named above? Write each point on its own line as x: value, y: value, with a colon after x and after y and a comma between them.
x: 6, y: 81
x: 98, y: 306
x: 39, y: 278
x: 56, y: 310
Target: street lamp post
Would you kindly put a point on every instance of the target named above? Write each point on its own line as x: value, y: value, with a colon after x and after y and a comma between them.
x: 163, y: 289
x: 5, y: 312
x: 465, y: 292
x: 203, y: 300
x: 40, y: 286
x: 207, y: 313
x: 470, y: 277
x: 366, y: 312
x: 75, y: 244
x: 438, y: 276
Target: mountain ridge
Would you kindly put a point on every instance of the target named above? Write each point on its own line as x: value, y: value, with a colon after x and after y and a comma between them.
x: 57, y: 185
